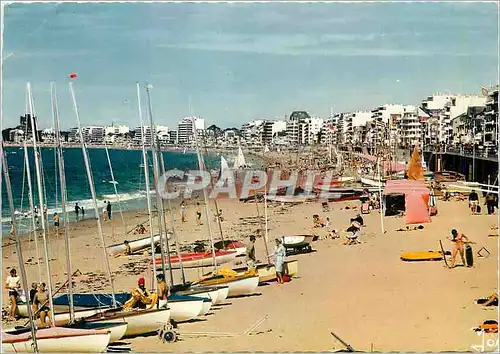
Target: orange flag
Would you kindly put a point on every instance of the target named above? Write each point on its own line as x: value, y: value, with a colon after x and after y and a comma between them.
x: 415, y: 171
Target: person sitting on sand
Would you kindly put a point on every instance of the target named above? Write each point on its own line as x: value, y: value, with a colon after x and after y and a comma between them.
x: 141, y: 298
x: 491, y: 301
x: 334, y: 234
x: 140, y: 229
x: 317, y: 221
x: 354, y: 228
x: 458, y: 239
x: 128, y: 250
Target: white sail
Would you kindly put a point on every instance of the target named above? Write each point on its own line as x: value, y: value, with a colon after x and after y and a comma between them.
x: 240, y: 159
x: 266, y: 149
x: 223, y: 164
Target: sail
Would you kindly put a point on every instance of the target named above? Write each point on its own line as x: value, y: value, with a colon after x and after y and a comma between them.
x: 240, y: 159
x: 415, y: 171
x: 223, y: 164
x: 266, y: 149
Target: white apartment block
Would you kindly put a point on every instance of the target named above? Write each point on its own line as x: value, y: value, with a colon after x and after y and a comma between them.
x: 315, y: 126
x: 185, y: 129
x: 162, y: 133
x: 271, y: 129
x: 117, y: 130
x: 252, y: 132
x: 90, y: 134
x: 443, y: 108
x: 388, y: 117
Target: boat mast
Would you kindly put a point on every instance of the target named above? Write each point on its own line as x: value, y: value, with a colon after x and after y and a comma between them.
x: 62, y: 178
x: 24, y: 277
x: 114, y: 186
x: 201, y: 165
x: 30, y: 197
x: 92, y: 192
x: 40, y: 200
x: 169, y: 204
x: 159, y: 201
x: 146, y: 178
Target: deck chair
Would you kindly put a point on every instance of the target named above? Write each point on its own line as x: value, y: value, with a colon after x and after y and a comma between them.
x: 325, y: 207
x: 365, y: 208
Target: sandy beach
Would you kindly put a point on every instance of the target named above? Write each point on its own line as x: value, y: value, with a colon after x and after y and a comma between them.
x: 364, y: 293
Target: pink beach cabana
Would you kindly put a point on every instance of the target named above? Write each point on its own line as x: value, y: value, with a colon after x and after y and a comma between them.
x: 416, y: 199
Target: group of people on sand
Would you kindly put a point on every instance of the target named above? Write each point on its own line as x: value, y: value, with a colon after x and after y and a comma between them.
x: 490, y: 200
x: 38, y: 297
x: 279, y: 256
x: 354, y: 228
x: 142, y: 298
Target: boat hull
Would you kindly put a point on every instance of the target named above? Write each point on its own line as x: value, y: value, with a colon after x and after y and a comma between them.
x: 185, y: 310
x: 196, y: 260
x: 63, y: 317
x: 135, y: 245
x: 207, y: 305
x: 239, y: 285
x: 116, y: 330
x: 139, y: 321
x: 57, y: 340
x: 297, y: 241
x: 267, y: 272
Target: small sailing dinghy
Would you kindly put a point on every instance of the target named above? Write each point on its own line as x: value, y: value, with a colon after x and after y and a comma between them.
x: 182, y: 308
x: 135, y: 245
x: 267, y: 272
x: 297, y: 241
x: 237, y: 284
x: 56, y: 340
x: 199, y: 259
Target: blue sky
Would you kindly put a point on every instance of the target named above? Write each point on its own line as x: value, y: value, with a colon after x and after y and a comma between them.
x: 238, y: 62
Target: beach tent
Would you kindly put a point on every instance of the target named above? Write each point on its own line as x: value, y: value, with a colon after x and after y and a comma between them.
x: 416, y: 199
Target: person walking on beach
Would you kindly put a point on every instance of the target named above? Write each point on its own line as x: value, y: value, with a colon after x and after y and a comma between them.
x: 12, y: 231
x: 108, y: 209
x: 490, y: 202
x: 55, y: 218
x: 183, y: 212
x: 105, y: 212
x: 279, y: 263
x: 83, y: 213
x: 198, y: 214
x: 163, y: 292
x: 458, y: 239
x: 473, y: 202
x: 77, y: 210
x: 250, y: 253
x: 13, y: 284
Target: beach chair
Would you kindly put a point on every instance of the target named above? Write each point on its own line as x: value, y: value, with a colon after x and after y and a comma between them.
x: 352, y: 239
x: 365, y: 208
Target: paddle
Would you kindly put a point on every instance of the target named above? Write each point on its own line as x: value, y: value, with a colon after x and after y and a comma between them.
x: 347, y: 346
x: 76, y: 272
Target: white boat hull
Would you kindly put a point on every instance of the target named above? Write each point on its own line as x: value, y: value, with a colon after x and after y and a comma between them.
x: 65, y: 342
x: 206, y: 307
x: 63, y: 317
x: 222, y: 294
x: 201, y: 262
x: 242, y: 286
x: 142, y: 321
x: 135, y: 245
x: 296, y: 240
x: 181, y: 311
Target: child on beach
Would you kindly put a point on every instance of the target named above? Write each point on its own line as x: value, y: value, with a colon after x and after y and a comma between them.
x: 183, y: 212
x: 13, y: 284
x: 55, y: 218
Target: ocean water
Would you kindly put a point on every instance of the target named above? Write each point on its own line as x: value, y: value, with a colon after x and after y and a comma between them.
x: 127, y: 170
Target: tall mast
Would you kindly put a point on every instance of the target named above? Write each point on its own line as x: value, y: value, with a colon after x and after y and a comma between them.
x: 159, y: 201
x: 62, y: 178
x: 201, y: 164
x: 30, y: 197
x: 146, y: 178
x: 24, y: 277
x: 114, y: 186
x: 183, y: 275
x: 40, y: 199
x: 92, y: 192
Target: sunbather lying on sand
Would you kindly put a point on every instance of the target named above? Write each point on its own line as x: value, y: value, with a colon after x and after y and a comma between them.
x: 491, y: 301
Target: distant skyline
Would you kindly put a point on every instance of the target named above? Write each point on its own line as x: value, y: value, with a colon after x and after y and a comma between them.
x: 232, y: 63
